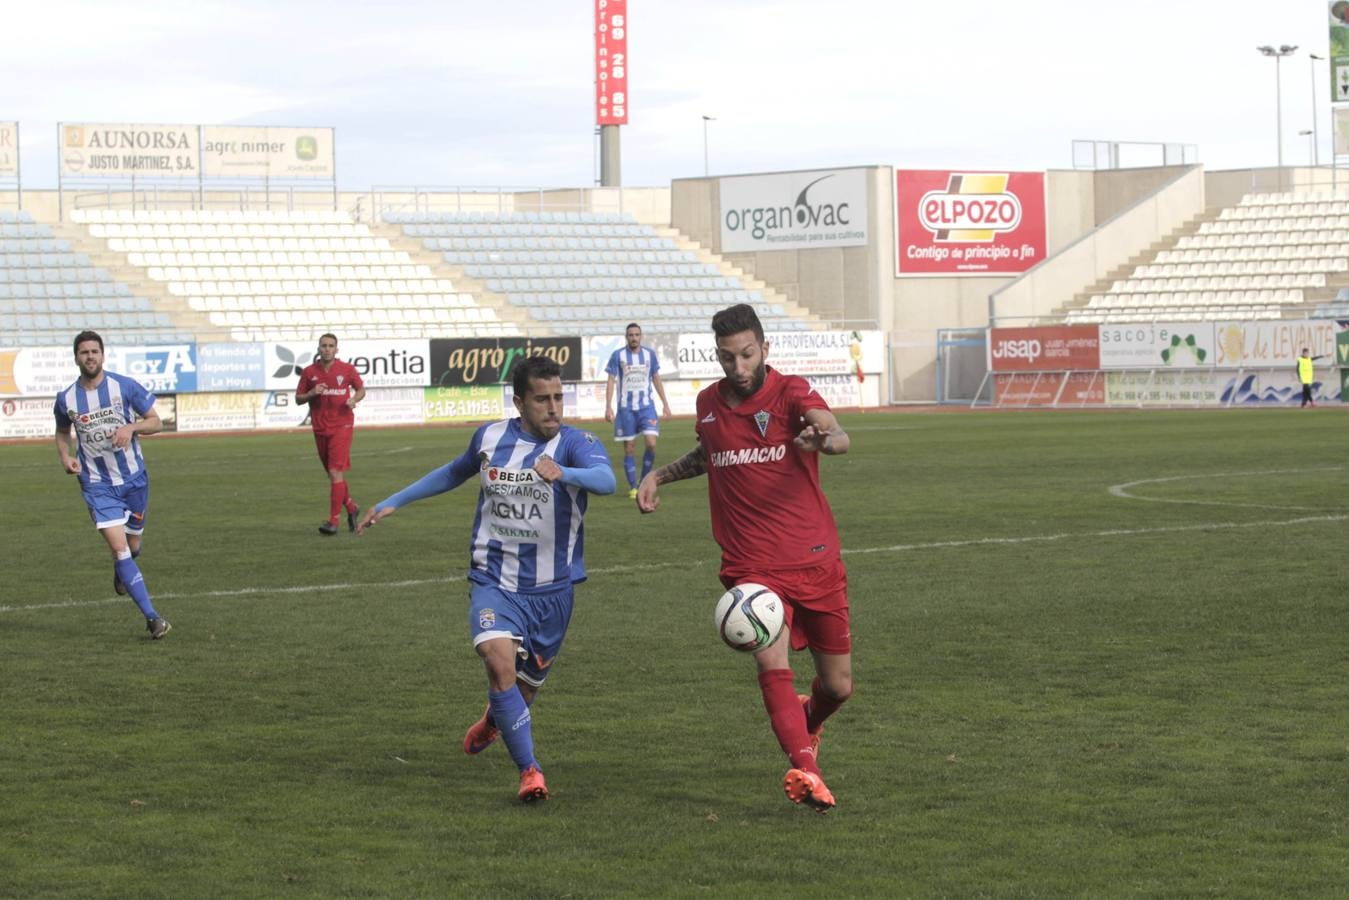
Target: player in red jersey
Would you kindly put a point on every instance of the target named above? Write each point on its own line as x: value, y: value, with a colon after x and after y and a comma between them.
x: 332, y: 389
x: 760, y: 434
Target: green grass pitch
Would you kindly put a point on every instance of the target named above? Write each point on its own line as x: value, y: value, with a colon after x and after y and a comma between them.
x: 1096, y: 654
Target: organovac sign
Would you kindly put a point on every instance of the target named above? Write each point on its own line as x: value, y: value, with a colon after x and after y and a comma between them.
x: 794, y: 211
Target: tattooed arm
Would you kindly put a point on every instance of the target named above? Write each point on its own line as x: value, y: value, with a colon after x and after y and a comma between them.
x: 690, y: 465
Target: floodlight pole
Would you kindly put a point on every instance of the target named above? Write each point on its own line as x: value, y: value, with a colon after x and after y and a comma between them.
x: 706, y: 119
x: 1316, y: 136
x: 1278, y: 54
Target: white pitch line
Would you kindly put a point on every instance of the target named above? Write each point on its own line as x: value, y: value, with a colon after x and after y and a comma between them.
x: 647, y: 567
x: 1122, y: 490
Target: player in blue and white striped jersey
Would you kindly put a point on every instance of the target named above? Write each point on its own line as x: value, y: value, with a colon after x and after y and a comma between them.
x: 526, y: 551
x: 635, y: 371
x: 107, y: 411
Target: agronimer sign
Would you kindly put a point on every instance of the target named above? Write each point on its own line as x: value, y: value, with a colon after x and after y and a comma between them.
x: 794, y: 211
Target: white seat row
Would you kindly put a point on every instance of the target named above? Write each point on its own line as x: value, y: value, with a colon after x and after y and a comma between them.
x: 1265, y: 238
x: 1320, y: 195
x: 229, y: 230
x: 1249, y: 267
x: 323, y: 301
x: 246, y: 245
x: 265, y: 259
x: 1287, y: 223
x: 1218, y: 283
x: 1199, y: 298
x: 286, y: 273
x: 1168, y: 315
x: 1338, y: 207
x: 360, y: 332
x: 207, y: 215
x: 392, y: 315
x: 331, y: 286
x: 1243, y: 254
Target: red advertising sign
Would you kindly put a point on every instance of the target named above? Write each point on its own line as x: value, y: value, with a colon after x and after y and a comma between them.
x: 1064, y: 388
x: 1050, y: 349
x: 611, y: 62
x: 968, y: 223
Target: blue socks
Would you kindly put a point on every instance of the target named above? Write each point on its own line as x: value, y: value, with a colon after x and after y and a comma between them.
x: 130, y: 574
x: 648, y: 460
x: 511, y: 716
x: 630, y: 467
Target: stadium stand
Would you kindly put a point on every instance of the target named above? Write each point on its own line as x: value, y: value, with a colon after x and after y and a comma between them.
x: 588, y: 273
x: 290, y: 275
x: 1266, y: 257
x: 48, y: 292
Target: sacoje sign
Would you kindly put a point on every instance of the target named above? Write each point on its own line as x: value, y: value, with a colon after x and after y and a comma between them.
x: 1049, y: 349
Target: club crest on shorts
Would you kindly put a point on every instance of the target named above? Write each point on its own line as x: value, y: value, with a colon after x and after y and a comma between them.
x: 487, y: 618
x: 761, y: 419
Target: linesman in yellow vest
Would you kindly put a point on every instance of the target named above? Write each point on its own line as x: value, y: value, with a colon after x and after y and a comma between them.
x: 1304, y: 375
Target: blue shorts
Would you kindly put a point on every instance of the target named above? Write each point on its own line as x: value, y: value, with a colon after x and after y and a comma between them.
x: 118, y: 504
x: 628, y: 423
x: 537, y: 621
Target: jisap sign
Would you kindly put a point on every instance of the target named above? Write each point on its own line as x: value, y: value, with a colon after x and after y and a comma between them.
x: 968, y: 223
x: 1051, y: 349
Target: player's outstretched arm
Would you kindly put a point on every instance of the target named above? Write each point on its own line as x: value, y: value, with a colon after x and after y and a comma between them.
x: 690, y: 465
x: 822, y: 434
x: 437, y: 481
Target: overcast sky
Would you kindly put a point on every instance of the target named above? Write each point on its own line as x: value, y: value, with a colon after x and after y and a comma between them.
x: 501, y: 93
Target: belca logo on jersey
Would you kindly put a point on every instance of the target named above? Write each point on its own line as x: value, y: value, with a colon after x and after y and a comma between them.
x: 974, y: 208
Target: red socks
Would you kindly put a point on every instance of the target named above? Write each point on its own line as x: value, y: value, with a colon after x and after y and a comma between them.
x: 337, y: 492
x: 339, y: 498
x: 822, y: 706
x: 787, y: 718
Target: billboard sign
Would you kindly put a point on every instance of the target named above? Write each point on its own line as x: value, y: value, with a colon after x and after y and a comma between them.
x: 9, y: 149
x: 794, y: 211
x: 484, y: 361
x: 231, y: 367
x: 1050, y: 349
x: 128, y: 150
x: 161, y: 368
x: 265, y: 152
x: 611, y: 62
x: 968, y: 223
x: 1145, y: 345
x: 1339, y: 54
x: 1273, y: 344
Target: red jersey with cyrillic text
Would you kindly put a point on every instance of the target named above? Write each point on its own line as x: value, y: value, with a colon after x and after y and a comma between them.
x: 329, y: 412
x: 765, y: 497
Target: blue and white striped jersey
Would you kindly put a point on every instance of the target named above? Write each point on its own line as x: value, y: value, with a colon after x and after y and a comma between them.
x: 527, y: 533
x: 95, y: 415
x: 634, y: 371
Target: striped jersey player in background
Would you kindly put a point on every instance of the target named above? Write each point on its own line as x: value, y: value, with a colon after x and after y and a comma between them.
x: 760, y: 436
x: 106, y: 412
x: 636, y: 370
x: 534, y: 477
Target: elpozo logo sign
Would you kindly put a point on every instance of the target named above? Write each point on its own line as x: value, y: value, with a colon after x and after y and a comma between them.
x: 968, y: 223
x: 794, y: 211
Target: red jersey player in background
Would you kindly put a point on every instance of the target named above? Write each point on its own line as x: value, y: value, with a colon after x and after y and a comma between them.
x: 332, y: 389
x: 760, y: 434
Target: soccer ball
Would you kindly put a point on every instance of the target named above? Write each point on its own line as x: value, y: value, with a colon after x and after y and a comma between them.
x: 749, y: 617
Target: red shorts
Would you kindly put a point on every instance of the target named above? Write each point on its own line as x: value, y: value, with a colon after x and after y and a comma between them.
x: 815, y: 602
x: 335, y: 449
